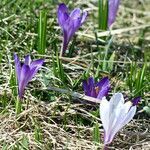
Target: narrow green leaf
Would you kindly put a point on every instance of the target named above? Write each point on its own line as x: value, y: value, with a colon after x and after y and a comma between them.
x: 42, y: 32
x: 96, y: 133
x: 37, y: 134
x: 102, y: 14
x: 111, y: 61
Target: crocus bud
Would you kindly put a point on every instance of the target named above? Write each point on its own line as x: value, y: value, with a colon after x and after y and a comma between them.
x: 26, y: 71
x: 115, y: 114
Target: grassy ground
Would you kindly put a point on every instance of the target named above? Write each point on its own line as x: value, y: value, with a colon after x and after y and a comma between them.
x: 56, y: 120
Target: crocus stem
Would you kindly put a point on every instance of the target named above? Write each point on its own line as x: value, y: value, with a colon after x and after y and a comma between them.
x: 63, y: 48
x: 61, y: 51
x: 18, y: 106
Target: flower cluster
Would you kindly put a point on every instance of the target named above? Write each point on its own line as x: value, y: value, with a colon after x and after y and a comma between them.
x: 115, y: 113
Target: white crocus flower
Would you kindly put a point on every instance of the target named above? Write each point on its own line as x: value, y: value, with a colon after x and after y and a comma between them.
x: 115, y: 114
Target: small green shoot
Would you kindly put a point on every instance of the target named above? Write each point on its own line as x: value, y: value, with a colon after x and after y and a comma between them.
x: 136, y: 78
x: 58, y: 69
x: 96, y: 133
x: 37, y: 134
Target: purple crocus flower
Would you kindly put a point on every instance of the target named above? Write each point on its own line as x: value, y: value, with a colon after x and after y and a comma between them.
x: 96, y: 90
x: 115, y: 114
x: 113, y: 6
x: 26, y: 71
x: 69, y: 23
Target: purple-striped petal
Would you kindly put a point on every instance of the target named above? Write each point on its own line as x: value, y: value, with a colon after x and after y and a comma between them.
x: 35, y: 66
x: 37, y: 63
x: 32, y: 73
x: 91, y: 82
x: 27, y: 60
x: 25, y: 70
x: 69, y: 29
x: 74, y: 26
x: 85, y: 87
x: 112, y: 11
x: 103, y: 82
x: 103, y: 92
x: 84, y: 17
x: 62, y: 14
x: 104, y: 87
x: 89, y: 87
x: 17, y: 66
x: 76, y: 13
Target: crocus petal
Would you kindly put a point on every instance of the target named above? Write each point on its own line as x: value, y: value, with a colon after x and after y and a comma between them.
x: 104, y: 87
x: 103, y: 82
x: 27, y: 60
x: 103, y: 92
x: 124, y: 119
x: 104, y: 113
x: 91, y: 81
x: 70, y: 27
x: 89, y: 87
x: 17, y: 66
x: 112, y: 11
x: 136, y: 100
x: 68, y: 32
x: 65, y: 41
x: 62, y: 14
x: 32, y: 73
x: 84, y: 17
x: 35, y: 66
x: 37, y: 63
x: 129, y: 116
x: 92, y: 89
x: 23, y: 79
x: 116, y: 100
x: 76, y: 13
x: 86, y: 87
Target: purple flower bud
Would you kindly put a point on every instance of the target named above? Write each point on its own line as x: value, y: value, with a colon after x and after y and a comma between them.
x: 26, y: 71
x: 113, y: 6
x: 69, y: 23
x: 96, y: 90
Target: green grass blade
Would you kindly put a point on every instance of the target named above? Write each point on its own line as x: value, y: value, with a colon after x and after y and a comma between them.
x: 96, y: 133
x: 102, y: 14
x: 42, y: 32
